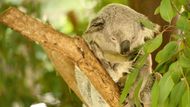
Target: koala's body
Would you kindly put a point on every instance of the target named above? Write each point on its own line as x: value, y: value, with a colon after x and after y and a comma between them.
x: 113, y: 36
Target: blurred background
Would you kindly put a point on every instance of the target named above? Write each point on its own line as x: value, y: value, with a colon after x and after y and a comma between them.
x: 27, y: 77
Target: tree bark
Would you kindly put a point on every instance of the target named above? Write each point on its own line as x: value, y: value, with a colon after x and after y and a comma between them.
x: 64, y: 52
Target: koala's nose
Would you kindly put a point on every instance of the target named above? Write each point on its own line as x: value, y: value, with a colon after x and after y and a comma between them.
x: 125, y: 47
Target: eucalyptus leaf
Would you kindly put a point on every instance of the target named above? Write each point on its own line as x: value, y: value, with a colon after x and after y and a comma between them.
x: 166, y: 84
x: 178, y: 4
x: 140, y: 61
x: 161, y: 67
x: 187, y: 52
x: 165, y: 104
x: 187, y: 39
x: 184, y: 61
x: 176, y: 71
x: 132, y: 77
x: 167, y: 52
x: 166, y: 10
x: 155, y: 94
x: 147, y: 23
x: 186, y: 99
x: 153, y: 44
x: 128, y: 84
x: 176, y: 94
x: 183, y: 23
x: 183, y: 2
x: 157, y: 11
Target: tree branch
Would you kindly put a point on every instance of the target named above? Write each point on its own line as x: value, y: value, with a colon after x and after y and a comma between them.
x: 59, y: 46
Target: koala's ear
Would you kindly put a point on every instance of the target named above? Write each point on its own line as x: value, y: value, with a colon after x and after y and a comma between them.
x: 148, y: 28
x: 146, y: 23
x: 97, y: 22
x: 96, y: 25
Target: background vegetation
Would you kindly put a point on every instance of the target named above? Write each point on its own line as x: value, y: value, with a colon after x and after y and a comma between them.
x: 28, y: 77
x: 173, y: 61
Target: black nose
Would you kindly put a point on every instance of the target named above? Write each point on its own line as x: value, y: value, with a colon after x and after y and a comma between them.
x: 125, y: 47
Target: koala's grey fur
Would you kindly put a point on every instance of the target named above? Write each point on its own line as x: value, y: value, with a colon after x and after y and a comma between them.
x: 112, y: 36
x: 116, y: 31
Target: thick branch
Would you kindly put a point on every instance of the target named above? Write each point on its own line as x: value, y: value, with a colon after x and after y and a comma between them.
x: 66, y: 69
x: 73, y: 49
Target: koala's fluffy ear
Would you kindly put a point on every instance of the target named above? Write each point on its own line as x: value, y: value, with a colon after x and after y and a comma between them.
x: 149, y: 28
x: 96, y: 25
x: 146, y: 23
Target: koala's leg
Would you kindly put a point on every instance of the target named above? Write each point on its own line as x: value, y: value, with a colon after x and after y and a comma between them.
x: 148, y: 81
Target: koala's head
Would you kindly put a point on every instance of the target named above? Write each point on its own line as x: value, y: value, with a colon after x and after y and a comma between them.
x: 117, y: 29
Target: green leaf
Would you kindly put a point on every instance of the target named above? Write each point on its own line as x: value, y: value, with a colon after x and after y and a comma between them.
x: 178, y: 4
x: 186, y: 52
x: 147, y: 23
x: 141, y: 61
x: 185, y: 14
x: 166, y: 10
x: 176, y: 71
x: 157, y: 11
x: 176, y: 94
x: 167, y: 52
x: 132, y: 77
x: 153, y: 44
x: 183, y: 2
x: 136, y: 93
x: 130, y: 80
x: 161, y: 68
x: 165, y: 104
x: 155, y: 94
x: 186, y: 99
x: 184, y: 61
x: 187, y: 39
x: 166, y: 84
x: 183, y: 23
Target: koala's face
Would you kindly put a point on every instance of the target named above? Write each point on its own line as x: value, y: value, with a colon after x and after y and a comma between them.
x: 117, y: 29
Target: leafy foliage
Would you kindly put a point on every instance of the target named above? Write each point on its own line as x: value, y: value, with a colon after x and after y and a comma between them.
x: 166, y: 10
x: 172, y: 90
x: 167, y: 53
x: 176, y: 55
x: 153, y: 44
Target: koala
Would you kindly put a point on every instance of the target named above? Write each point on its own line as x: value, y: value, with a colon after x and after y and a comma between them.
x: 114, y: 36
